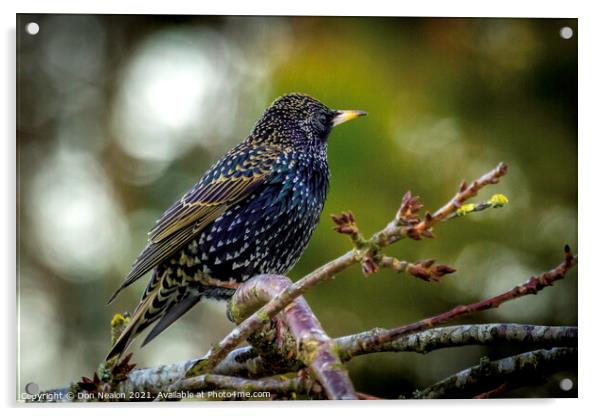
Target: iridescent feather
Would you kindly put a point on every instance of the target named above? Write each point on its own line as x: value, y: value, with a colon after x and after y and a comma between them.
x: 252, y: 212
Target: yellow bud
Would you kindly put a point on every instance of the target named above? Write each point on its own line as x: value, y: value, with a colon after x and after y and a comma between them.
x: 118, y: 319
x: 465, y: 209
x: 498, y: 200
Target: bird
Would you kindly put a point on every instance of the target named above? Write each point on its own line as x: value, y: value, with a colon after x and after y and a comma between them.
x: 252, y: 212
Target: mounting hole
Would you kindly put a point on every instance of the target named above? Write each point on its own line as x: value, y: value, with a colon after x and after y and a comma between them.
x: 32, y: 388
x: 566, y: 32
x: 32, y: 28
x: 566, y: 384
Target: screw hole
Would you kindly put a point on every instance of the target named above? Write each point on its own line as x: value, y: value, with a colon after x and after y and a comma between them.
x: 32, y: 28
x: 566, y: 384
x: 566, y: 32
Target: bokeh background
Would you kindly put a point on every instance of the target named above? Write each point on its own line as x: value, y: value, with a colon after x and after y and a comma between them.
x: 119, y: 115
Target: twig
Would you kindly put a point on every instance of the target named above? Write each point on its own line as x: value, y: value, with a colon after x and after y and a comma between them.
x: 518, y: 369
x: 426, y: 270
x: 314, y: 348
x: 531, y: 287
x: 460, y: 335
x: 464, y: 193
x: 394, y: 231
x: 400, y: 227
x: 496, y: 201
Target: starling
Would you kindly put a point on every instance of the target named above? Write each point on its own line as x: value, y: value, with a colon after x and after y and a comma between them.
x: 252, y: 212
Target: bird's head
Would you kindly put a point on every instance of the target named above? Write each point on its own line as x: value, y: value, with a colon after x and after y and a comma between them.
x: 302, y: 119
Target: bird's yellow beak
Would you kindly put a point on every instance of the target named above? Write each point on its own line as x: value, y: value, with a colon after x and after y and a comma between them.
x: 346, y: 115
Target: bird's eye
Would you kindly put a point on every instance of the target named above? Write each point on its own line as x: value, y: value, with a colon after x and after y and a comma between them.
x: 321, y: 121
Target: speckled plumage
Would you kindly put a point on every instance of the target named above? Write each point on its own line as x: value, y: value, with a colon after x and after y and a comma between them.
x: 252, y: 212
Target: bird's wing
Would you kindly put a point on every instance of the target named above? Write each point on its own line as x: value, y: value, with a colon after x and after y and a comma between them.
x: 229, y: 181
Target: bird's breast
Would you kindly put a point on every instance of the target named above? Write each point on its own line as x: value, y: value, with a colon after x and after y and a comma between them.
x: 303, y: 180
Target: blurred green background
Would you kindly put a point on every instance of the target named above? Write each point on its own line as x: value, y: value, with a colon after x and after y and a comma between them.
x: 119, y: 115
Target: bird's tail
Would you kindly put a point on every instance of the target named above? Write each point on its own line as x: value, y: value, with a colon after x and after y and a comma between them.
x: 160, y: 300
x: 137, y: 324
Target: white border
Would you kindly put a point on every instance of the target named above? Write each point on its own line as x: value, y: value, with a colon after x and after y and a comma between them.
x: 507, y: 8
x: 590, y: 290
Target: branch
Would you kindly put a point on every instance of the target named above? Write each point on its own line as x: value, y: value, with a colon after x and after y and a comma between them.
x: 458, y: 336
x: 426, y: 270
x: 259, y: 301
x: 496, y: 201
x: 404, y: 225
x: 517, y: 370
x: 245, y: 363
x: 270, y: 310
x: 315, y: 349
x: 531, y: 287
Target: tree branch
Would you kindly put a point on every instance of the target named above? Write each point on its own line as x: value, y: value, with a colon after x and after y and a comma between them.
x: 404, y: 225
x: 531, y: 287
x: 518, y: 370
x: 245, y: 363
x: 458, y: 336
x: 314, y: 348
x: 262, y: 304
